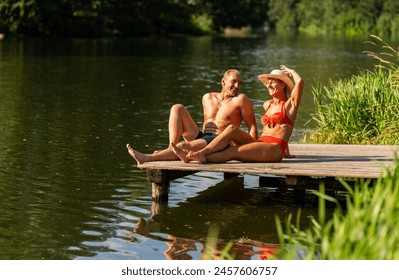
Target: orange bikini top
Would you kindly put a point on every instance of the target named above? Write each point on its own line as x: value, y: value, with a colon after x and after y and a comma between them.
x: 276, y: 118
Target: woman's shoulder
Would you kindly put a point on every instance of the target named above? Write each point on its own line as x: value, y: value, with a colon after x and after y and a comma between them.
x: 267, y: 104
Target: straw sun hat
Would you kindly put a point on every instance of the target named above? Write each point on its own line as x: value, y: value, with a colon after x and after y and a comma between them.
x: 277, y: 74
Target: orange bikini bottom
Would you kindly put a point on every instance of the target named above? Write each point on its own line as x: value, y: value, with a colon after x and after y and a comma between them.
x: 271, y: 139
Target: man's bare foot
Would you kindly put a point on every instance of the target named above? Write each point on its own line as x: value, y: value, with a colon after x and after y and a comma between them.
x: 139, y: 157
x: 181, y: 153
x: 196, y: 156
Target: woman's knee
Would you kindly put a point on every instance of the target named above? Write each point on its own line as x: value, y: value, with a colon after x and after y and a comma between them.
x: 231, y: 128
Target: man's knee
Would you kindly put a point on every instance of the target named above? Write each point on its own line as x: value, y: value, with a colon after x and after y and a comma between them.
x: 177, y: 107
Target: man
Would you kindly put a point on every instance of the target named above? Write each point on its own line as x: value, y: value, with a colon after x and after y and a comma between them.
x: 221, y: 109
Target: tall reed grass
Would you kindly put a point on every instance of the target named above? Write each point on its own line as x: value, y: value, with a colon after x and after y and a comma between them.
x: 363, y: 109
x: 366, y: 230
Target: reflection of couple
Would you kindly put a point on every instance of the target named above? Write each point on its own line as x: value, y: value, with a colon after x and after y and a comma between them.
x: 180, y: 248
x: 222, y: 139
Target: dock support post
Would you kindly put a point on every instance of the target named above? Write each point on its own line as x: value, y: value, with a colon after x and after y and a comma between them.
x: 160, y: 184
x: 160, y: 181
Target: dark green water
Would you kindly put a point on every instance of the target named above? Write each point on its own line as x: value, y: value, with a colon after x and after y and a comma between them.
x: 68, y: 188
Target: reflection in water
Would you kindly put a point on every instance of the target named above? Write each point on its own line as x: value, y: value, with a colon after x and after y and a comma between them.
x: 211, y: 247
x: 69, y: 190
x: 243, y: 220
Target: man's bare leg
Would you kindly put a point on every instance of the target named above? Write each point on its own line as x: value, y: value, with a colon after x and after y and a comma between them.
x: 181, y: 124
x: 167, y: 154
x: 139, y: 157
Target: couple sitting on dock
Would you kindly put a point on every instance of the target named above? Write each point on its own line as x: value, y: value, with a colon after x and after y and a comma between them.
x: 222, y: 139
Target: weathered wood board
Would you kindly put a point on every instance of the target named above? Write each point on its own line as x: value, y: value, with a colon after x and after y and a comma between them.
x: 311, y: 160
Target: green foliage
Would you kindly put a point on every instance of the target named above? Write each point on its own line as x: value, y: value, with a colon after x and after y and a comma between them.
x: 363, y: 109
x: 282, y: 16
x: 127, y: 18
x: 352, y: 23
x: 146, y: 17
x: 225, y: 13
x: 339, y: 17
x: 154, y: 17
x: 202, y: 23
x: 312, y: 19
x: 47, y: 17
x: 366, y: 230
x: 95, y: 17
x: 387, y: 25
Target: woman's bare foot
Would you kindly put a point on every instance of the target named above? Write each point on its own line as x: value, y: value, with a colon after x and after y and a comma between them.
x: 139, y: 157
x: 196, y: 156
x: 289, y: 155
x: 181, y: 153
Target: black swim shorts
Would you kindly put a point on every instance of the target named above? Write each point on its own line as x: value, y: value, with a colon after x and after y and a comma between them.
x: 208, y: 137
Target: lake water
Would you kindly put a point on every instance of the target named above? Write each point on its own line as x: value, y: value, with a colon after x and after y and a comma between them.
x: 69, y: 189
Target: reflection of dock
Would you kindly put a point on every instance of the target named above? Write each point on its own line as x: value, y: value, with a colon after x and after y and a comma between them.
x: 238, y: 211
x: 311, y: 160
x: 186, y: 227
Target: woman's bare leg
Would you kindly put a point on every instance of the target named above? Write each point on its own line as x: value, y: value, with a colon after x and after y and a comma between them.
x: 231, y: 133
x: 252, y: 152
x: 139, y: 157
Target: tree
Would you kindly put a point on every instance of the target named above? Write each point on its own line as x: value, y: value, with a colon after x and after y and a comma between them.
x: 241, y: 13
x: 282, y: 15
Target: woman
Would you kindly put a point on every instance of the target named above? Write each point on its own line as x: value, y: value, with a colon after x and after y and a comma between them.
x: 278, y: 124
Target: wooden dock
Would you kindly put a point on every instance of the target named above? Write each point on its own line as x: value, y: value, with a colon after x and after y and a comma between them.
x: 311, y: 161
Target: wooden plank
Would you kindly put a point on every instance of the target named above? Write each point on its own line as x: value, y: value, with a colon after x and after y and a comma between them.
x: 312, y: 160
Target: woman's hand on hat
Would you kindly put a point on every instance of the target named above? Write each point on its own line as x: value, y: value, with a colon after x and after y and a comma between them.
x: 287, y: 70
